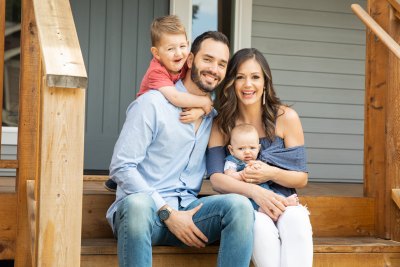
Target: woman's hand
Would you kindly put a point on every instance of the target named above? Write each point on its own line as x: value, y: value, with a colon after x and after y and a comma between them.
x: 258, y: 172
x: 270, y: 203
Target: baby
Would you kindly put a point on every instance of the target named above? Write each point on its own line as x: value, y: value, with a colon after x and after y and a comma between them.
x: 244, y: 147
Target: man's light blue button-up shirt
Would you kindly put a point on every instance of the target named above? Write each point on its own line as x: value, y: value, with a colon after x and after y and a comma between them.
x: 157, y: 154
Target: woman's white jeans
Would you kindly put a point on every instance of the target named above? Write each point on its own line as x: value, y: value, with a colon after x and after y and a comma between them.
x: 286, y: 243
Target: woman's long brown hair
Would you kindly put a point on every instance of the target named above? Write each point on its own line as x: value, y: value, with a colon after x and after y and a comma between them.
x: 227, y: 103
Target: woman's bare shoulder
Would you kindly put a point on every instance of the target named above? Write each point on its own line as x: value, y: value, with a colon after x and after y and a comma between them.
x: 288, y: 126
x: 287, y: 115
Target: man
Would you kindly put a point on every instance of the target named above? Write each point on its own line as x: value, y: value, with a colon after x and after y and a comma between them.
x: 158, y: 164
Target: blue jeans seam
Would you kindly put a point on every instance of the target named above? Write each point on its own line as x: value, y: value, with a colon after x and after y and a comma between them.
x: 208, y: 216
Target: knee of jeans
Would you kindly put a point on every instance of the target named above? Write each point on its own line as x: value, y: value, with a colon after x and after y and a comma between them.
x: 138, y: 207
x: 241, y: 208
x: 295, y: 221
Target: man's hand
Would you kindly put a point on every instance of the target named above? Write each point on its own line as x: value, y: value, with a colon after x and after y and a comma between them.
x: 181, y: 224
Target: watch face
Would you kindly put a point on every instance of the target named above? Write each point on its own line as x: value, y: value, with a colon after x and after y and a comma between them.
x: 163, y: 214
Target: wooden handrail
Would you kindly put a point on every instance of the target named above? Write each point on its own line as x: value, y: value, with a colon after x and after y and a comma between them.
x: 395, y: 4
x: 61, y: 54
x: 378, y: 30
x: 396, y: 196
x: 9, y: 164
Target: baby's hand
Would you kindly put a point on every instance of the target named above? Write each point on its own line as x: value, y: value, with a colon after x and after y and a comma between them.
x: 254, y: 164
x: 240, y: 176
x: 189, y: 115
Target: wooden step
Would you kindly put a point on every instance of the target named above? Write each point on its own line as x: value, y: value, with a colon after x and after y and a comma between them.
x: 8, y: 224
x: 331, y: 216
x: 328, y: 252
x: 336, y: 210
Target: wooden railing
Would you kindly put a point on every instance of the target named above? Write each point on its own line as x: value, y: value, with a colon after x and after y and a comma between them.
x: 378, y: 30
x: 382, y: 101
x: 2, y: 35
x: 50, y: 137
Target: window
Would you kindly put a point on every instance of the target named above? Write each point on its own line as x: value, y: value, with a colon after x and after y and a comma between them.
x: 11, y: 72
x: 211, y: 15
x: 11, y: 63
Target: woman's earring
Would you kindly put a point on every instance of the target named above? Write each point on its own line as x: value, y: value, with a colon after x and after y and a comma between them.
x: 263, y: 102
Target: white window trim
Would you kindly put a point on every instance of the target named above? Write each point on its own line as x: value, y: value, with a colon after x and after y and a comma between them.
x: 242, y: 24
x: 242, y: 20
x: 9, y: 135
x: 183, y: 9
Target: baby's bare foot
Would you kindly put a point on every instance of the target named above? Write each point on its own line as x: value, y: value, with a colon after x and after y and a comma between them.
x: 293, y: 200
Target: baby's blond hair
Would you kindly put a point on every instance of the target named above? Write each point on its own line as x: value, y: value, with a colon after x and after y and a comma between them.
x: 243, y: 128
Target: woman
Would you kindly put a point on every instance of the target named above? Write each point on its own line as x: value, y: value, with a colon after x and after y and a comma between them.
x: 283, y: 235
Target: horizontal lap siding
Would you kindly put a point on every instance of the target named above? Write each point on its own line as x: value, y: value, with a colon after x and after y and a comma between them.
x: 316, y: 50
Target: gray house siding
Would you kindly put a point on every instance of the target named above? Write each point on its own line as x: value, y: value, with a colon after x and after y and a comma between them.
x: 115, y: 41
x: 316, y: 50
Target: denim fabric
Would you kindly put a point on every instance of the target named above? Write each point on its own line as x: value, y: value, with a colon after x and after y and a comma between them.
x: 228, y: 218
x: 240, y: 164
x: 288, y: 158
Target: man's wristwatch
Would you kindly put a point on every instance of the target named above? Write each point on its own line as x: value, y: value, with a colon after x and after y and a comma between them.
x: 164, y: 213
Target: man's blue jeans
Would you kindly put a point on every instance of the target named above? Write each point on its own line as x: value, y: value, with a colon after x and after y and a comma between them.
x: 228, y: 218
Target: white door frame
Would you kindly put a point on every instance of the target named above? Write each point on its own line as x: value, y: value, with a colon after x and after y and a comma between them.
x: 242, y: 20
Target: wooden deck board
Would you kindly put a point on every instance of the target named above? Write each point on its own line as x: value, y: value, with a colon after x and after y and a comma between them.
x: 321, y: 245
x: 93, y: 184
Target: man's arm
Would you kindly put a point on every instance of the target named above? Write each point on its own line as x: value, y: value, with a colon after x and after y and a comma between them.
x: 130, y: 149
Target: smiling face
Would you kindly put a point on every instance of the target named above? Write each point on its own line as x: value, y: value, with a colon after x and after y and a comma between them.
x: 172, y: 51
x: 249, y: 83
x: 244, y: 145
x: 208, y: 67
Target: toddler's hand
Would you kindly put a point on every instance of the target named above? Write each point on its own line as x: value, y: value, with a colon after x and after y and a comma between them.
x: 189, y: 115
x: 209, y: 105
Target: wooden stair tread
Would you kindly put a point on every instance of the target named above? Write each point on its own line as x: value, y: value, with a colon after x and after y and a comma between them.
x: 93, y: 184
x: 321, y: 245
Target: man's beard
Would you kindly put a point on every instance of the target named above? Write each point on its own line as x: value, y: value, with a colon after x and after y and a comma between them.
x: 195, y: 76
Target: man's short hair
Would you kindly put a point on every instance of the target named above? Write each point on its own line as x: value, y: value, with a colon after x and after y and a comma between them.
x: 166, y: 24
x: 214, y: 35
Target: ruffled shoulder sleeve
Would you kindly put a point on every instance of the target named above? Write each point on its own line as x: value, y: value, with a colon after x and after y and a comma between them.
x: 291, y: 158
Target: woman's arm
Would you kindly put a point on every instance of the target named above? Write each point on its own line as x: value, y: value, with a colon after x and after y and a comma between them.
x: 290, y: 179
x: 288, y: 127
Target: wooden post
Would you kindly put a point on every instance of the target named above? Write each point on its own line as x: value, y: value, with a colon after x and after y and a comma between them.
x: 393, y: 126
x: 28, y: 131
x: 376, y: 62
x: 61, y: 177
x: 2, y: 32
